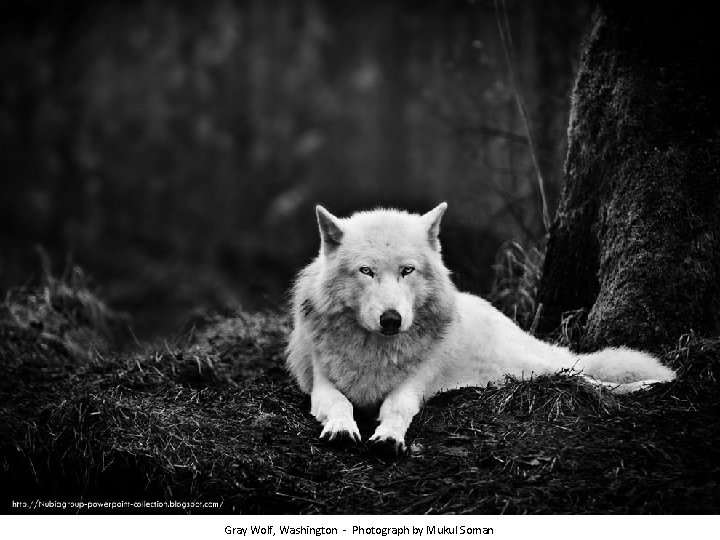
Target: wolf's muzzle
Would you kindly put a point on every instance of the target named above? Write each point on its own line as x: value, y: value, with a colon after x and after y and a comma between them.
x: 390, y: 322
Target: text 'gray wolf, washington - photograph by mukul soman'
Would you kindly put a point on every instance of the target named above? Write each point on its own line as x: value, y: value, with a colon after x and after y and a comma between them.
x: 359, y: 257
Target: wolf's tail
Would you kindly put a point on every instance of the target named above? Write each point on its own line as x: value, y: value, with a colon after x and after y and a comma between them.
x: 623, y: 368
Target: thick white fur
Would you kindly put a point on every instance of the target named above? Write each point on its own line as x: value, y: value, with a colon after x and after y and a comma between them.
x: 448, y: 339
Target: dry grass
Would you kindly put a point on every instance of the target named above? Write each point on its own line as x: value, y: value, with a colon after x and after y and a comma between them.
x: 215, y: 417
x: 517, y: 273
x: 64, y: 311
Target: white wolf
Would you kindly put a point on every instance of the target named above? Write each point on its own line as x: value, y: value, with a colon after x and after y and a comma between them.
x: 377, y: 322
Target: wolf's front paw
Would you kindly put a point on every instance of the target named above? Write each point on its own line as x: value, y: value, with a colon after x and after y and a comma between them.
x: 340, y: 431
x: 387, y: 446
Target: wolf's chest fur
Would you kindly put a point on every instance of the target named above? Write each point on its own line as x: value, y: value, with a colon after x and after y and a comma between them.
x: 366, y: 379
x: 363, y: 366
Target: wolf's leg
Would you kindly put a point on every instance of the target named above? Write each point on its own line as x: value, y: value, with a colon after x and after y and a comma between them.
x: 396, y: 414
x: 332, y: 409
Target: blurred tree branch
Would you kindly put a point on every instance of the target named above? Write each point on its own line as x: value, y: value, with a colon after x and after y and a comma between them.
x: 507, y: 46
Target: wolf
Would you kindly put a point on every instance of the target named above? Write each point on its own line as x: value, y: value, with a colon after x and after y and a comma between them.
x: 379, y: 325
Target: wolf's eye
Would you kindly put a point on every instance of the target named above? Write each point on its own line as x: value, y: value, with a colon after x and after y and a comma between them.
x: 407, y: 270
x: 367, y: 271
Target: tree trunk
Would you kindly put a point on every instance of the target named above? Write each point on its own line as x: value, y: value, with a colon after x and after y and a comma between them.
x: 636, y: 239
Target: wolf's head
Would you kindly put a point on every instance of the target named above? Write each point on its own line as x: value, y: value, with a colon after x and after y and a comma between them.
x: 384, y: 265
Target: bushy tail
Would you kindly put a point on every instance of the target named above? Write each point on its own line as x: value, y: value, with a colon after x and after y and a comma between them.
x: 623, y: 368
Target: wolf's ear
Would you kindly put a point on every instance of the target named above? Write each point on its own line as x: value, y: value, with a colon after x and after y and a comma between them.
x: 432, y: 219
x: 330, y: 232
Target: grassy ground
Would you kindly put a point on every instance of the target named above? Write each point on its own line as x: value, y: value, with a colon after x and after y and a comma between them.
x: 215, y: 417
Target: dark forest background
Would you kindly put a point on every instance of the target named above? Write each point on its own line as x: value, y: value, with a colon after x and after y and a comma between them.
x: 175, y: 150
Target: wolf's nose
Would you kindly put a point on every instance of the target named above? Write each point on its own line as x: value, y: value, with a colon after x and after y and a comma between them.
x: 390, y: 322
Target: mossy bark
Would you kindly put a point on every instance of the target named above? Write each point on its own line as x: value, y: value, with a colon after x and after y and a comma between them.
x: 636, y: 239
